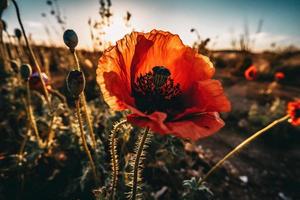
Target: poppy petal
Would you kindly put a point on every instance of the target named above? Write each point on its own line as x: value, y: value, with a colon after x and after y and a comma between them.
x: 193, y: 127
x: 164, y: 50
x: 113, y: 73
x: 206, y: 96
x: 168, y: 50
x: 197, y: 127
x: 116, y: 93
x: 154, y: 121
x: 191, y: 67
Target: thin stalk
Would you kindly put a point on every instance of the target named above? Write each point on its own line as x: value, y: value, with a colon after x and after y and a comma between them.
x: 85, y: 107
x: 19, y: 48
x: 31, y: 54
x: 56, y: 93
x: 137, y: 163
x: 114, y: 157
x: 8, y: 50
x: 88, y: 119
x: 22, y: 147
x: 240, y: 146
x: 51, y: 133
x: 76, y: 60
x: 31, y: 116
x: 84, y: 143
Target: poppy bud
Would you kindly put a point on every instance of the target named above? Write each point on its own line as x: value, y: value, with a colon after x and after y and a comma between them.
x: 18, y: 33
x: 25, y: 71
x: 15, y: 66
x: 251, y: 73
x: 3, y: 6
x: 70, y: 39
x: 75, y: 83
x: 3, y: 24
x: 279, y: 76
x: 49, y: 2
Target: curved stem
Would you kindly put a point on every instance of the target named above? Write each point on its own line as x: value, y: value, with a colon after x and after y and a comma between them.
x: 84, y: 143
x: 137, y: 164
x: 56, y: 93
x: 31, y: 55
x: 31, y: 117
x: 240, y: 146
x: 114, y: 156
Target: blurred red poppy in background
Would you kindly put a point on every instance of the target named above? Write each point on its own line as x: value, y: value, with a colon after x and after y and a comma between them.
x: 251, y: 73
x: 166, y: 85
x: 279, y: 76
x: 293, y: 110
x: 36, y: 84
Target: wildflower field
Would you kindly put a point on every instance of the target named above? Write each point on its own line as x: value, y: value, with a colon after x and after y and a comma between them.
x: 146, y: 116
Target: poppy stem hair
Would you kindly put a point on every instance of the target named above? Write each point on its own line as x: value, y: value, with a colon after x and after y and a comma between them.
x: 32, y: 56
x: 241, y: 145
x: 139, y: 155
x: 114, y: 156
x: 84, y: 143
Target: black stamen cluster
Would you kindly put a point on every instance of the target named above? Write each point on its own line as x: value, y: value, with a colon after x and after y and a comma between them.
x: 151, y: 96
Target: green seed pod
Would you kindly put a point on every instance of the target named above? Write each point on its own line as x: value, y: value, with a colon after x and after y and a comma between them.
x: 18, y: 33
x: 75, y: 83
x: 25, y: 71
x: 15, y: 66
x: 70, y: 39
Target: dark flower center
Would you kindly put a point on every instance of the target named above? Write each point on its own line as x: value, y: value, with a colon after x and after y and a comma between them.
x: 156, y: 91
x: 297, y: 113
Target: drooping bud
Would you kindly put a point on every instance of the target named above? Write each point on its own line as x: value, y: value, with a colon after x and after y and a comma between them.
x: 25, y: 71
x: 75, y: 83
x: 160, y: 75
x: 18, y: 33
x: 15, y: 66
x: 70, y: 39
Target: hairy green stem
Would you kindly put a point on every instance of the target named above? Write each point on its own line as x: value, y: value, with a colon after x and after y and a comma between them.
x: 137, y: 163
x: 114, y: 156
x: 240, y: 146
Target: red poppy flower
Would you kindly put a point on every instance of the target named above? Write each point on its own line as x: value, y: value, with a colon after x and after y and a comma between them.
x: 293, y: 110
x: 35, y: 82
x: 166, y: 85
x: 279, y: 76
x: 251, y: 73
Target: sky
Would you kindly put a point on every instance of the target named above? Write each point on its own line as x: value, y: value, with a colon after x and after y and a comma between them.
x: 220, y: 20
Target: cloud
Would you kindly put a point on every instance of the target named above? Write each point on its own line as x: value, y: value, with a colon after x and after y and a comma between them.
x: 264, y: 39
x: 33, y: 24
